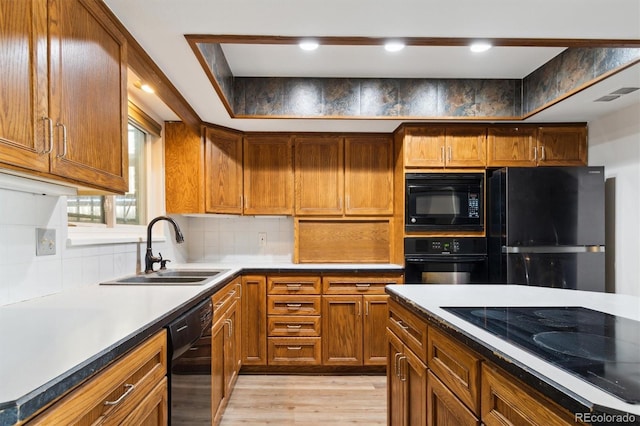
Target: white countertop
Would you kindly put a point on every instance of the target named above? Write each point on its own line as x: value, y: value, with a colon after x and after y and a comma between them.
x: 432, y: 297
x: 47, y: 338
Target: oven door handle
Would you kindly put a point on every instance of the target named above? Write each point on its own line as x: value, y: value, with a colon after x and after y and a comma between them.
x: 447, y: 259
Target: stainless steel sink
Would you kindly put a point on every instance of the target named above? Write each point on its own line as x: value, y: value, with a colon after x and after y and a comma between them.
x: 187, y: 273
x: 169, y: 277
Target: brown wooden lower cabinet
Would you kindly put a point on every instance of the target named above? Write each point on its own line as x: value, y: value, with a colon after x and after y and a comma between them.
x: 444, y: 408
x: 226, y: 358
x: 508, y: 401
x: 461, y: 388
x: 133, y: 390
x: 406, y: 384
x: 254, y: 320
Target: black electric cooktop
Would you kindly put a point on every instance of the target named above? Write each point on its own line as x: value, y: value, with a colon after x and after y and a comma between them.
x: 600, y: 348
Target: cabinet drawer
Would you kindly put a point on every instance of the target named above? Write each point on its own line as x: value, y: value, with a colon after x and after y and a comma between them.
x: 456, y: 366
x: 224, y: 298
x: 294, y: 351
x: 113, y: 394
x: 289, y: 325
x: 410, y: 328
x: 294, y: 285
x: 508, y: 401
x: 358, y: 284
x: 293, y: 305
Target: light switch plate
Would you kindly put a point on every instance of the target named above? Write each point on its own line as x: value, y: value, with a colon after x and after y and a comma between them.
x: 45, y: 242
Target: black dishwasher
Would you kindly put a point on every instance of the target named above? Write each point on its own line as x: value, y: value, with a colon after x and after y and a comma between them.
x: 190, y: 368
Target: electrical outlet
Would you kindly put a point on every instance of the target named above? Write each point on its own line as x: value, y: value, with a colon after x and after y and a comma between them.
x: 262, y: 239
x: 45, y: 242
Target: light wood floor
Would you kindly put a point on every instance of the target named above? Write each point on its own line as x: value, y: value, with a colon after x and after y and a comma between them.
x: 307, y: 400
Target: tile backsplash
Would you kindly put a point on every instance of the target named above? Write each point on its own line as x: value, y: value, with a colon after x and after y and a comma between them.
x: 23, y: 275
x: 237, y: 239
x: 26, y: 276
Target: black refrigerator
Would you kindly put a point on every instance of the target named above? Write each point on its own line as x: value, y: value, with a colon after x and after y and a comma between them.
x: 546, y: 227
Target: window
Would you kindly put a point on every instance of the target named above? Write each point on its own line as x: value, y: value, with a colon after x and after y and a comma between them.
x: 127, y: 209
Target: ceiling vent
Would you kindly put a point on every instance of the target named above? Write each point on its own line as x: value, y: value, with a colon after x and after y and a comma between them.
x: 616, y: 94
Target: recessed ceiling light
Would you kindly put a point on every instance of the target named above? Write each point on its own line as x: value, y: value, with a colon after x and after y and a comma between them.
x: 480, y: 47
x: 144, y: 87
x: 308, y: 45
x: 394, y: 46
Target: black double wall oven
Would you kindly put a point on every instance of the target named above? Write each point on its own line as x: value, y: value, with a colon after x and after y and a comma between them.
x: 451, y: 205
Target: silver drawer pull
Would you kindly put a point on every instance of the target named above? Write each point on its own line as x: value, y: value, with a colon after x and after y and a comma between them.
x: 402, y: 326
x: 294, y: 327
x: 294, y: 348
x: 294, y: 286
x: 294, y: 306
x: 363, y: 286
x: 129, y: 388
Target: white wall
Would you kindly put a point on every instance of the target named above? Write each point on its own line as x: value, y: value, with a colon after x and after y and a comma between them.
x: 614, y: 141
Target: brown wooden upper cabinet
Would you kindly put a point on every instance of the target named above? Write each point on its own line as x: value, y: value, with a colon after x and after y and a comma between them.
x: 223, y: 171
x: 537, y: 146
x: 458, y: 146
x: 64, y: 84
x: 336, y: 176
x: 319, y: 175
x: 268, y: 174
x: 562, y: 146
x: 368, y: 179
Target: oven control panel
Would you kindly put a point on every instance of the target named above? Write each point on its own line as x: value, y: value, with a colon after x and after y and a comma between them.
x: 444, y: 246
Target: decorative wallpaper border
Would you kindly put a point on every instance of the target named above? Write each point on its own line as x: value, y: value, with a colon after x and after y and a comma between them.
x: 396, y: 98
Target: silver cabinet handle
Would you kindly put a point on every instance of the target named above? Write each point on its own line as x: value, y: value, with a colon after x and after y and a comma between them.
x: 294, y: 327
x: 359, y: 308
x: 361, y: 286
x: 542, y: 153
x: 403, y: 376
x: 293, y: 286
x: 366, y: 308
x: 450, y: 150
x: 48, y: 151
x: 129, y: 388
x: 442, y: 154
x: 535, y: 153
x: 64, y: 140
x: 294, y: 348
x: 294, y: 306
x: 395, y: 360
x: 239, y: 286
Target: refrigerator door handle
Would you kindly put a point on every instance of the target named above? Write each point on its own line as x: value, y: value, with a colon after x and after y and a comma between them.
x: 553, y: 249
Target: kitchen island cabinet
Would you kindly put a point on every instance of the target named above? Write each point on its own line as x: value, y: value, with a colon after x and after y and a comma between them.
x: 63, y: 53
x: 476, y: 377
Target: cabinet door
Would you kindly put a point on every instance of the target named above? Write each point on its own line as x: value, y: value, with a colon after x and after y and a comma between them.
x: 88, y: 95
x: 369, y: 175
x: 396, y: 409
x: 511, y: 146
x: 218, y: 369
x: 319, y: 176
x: 342, y: 330
x: 24, y: 129
x: 232, y: 347
x: 374, y: 338
x: 444, y: 409
x: 562, y: 146
x: 424, y: 147
x: 414, y: 375
x: 223, y: 171
x: 254, y: 320
x: 466, y: 147
x: 268, y: 175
